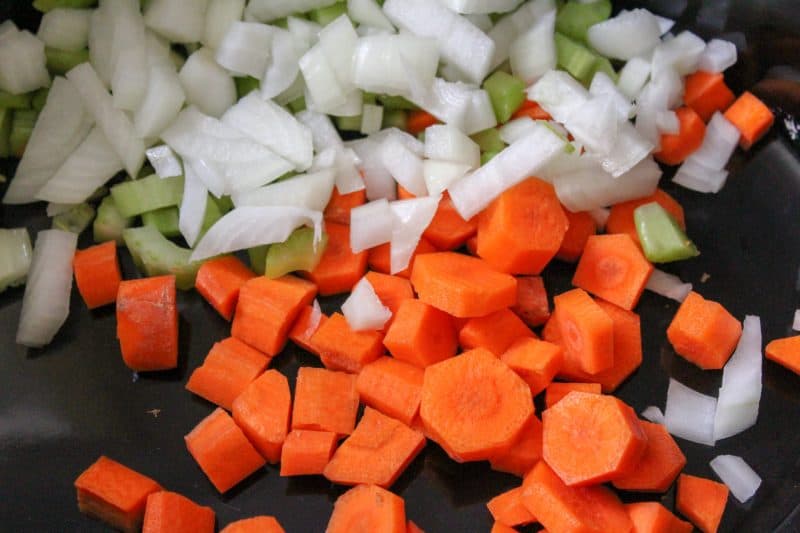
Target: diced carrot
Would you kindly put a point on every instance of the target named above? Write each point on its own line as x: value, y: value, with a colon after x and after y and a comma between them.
x: 262, y: 411
x: 556, y: 391
x: 474, y: 406
x: 404, y: 194
x: 704, y: 332
x: 256, y: 524
x: 676, y: 147
x: 448, y: 230
x: 472, y: 245
x: 499, y: 527
x: 306, y: 452
x: 419, y: 120
x: 421, y: 335
x: 507, y: 508
x: 532, y: 306
x: 97, y: 274
x: 411, y: 527
x: 377, y: 452
x: 587, y: 332
x: 521, y: 231
x: 620, y: 219
x: 304, y: 328
x: 652, y: 517
x: 219, y: 281
x: 228, y: 369
x: 559, y: 507
x: 660, y: 464
x: 339, y: 269
x: 551, y: 331
x: 532, y: 110
x: 380, y: 258
x: 222, y: 450
x: 523, y: 454
x: 707, y: 93
x: 581, y: 227
x: 170, y: 512
x: 341, y: 348
x: 613, y: 268
x: 391, y: 290
x: 391, y: 386
x: 368, y: 509
x: 461, y: 285
x: 495, y: 332
x: 147, y: 323
x: 114, y: 493
x: 325, y: 401
x: 340, y: 205
x: 536, y: 361
x: 785, y: 352
x: 591, y: 438
x: 751, y: 117
x: 702, y: 501
x: 266, y: 311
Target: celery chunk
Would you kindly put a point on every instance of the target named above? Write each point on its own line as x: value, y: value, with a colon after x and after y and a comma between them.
x: 155, y: 255
x: 62, y: 61
x: 109, y: 222
x: 296, y: 253
x: 15, y: 257
x: 75, y: 219
x: 22, y: 124
x: 165, y: 220
x: 662, y: 239
x: 575, y: 18
x: 489, y: 140
x: 147, y: 194
x: 506, y: 92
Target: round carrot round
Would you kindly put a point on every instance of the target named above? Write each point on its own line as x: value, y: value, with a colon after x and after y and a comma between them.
x: 368, y: 509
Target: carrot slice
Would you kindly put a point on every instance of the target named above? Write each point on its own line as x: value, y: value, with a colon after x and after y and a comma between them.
x: 339, y: 269
x: 620, y: 219
x: 703, y: 332
x: 304, y: 327
x: 675, y: 148
x: 472, y: 245
x: 613, y: 268
x: 591, y: 438
x: 785, y: 352
x: 652, y: 517
x: 751, y: 117
x: 556, y: 391
x: 114, y: 493
x: 521, y: 231
x: 256, y: 524
x: 377, y: 452
x: 170, y: 512
x: 507, y: 508
x: 340, y: 205
x: 325, y: 401
x: 147, y: 323
x: 499, y: 527
x: 523, y: 454
x: 404, y: 194
x: 306, y: 452
x: 97, y: 274
x: 474, y: 406
x: 587, y: 332
x: 262, y: 411
x: 421, y: 335
x: 380, y: 258
x: 531, y: 109
x: 419, y: 120
x: 368, y: 509
x: 702, y: 501
x: 219, y: 281
x: 222, y: 450
x: 581, y: 227
x: 660, y: 464
x: 391, y: 386
x: 532, y: 306
x: 706, y: 93
x: 341, y: 348
x: 536, y: 361
x: 495, y: 332
x: 391, y: 290
x: 448, y: 230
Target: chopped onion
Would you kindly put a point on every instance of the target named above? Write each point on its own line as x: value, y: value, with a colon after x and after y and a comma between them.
x: 101, y: 38
x: 628, y: 35
x: 219, y: 17
x: 481, y: 21
x: 595, y: 124
x: 370, y: 225
x: 559, y: 94
x: 668, y: 123
x: 668, y: 285
x: 245, y: 49
x: 516, y: 129
x: 377, y: 180
x: 303, y: 30
x: 663, y: 92
x: 719, y: 142
x: 633, y: 77
x: 180, y: 21
x: 343, y: 162
x: 337, y: 40
x: 603, y: 86
x: 740, y: 478
x: 600, y: 216
x: 690, y: 414
x: 371, y: 119
x: 378, y: 62
x: 411, y: 219
x: 530, y: 66
x: 65, y: 29
x: 796, y: 322
x: 653, y: 414
x: 681, y: 53
x: 164, y: 161
x: 193, y: 206
x: 314, y: 319
x: 282, y: 69
x: 22, y: 62
x: 717, y: 56
x: 15, y: 256
x: 363, y: 309
x: 448, y: 143
x: 439, y: 175
x: 207, y: 85
x: 267, y: 10
x: 509, y: 27
x: 481, y: 6
x: 310, y: 191
x: 697, y: 177
x: 324, y: 91
x: 404, y: 165
x: 323, y: 132
x: 163, y: 99
x: 128, y: 55
x: 209, y: 174
x: 368, y: 13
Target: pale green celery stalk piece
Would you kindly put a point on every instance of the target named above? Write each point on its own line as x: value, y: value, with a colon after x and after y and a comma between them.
x: 155, y: 255
x: 15, y: 257
x: 147, y: 194
x: 109, y: 222
x: 298, y: 252
x: 76, y: 220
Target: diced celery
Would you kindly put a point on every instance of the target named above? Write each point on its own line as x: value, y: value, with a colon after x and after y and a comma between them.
x: 109, y: 222
x: 145, y: 172
x: 296, y: 253
x: 62, y: 61
x: 396, y: 102
x: 245, y: 85
x: 15, y: 101
x: 325, y: 15
x: 212, y: 214
x: 165, y: 220
x: 21, y: 128
x: 298, y: 104
x: 39, y: 98
x: 98, y: 194
x: 487, y: 156
x: 604, y: 65
x: 15, y: 257
x: 155, y: 255
x: 224, y: 203
x: 489, y: 140
x: 394, y: 118
x: 281, y: 23
x: 369, y: 98
x: 76, y: 219
x: 661, y: 237
x: 575, y: 58
x: 258, y: 258
x: 6, y: 118
x: 575, y: 18
x: 349, y: 123
x: 506, y: 93
x: 46, y: 5
x: 147, y: 194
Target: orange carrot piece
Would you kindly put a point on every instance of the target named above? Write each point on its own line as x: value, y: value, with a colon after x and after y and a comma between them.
x: 472, y: 245
x: 380, y: 258
x: 377, y: 452
x: 652, y: 517
x: 556, y: 391
x: 222, y: 450
x: 523, y: 454
x: 404, y: 194
x: 704, y: 332
x: 660, y: 464
x: 256, y: 524
x: 751, y: 117
x: 702, y: 501
x: 521, y: 231
x: 228, y: 369
x: 421, y: 335
x: 219, y: 281
x: 147, y: 323
x: 507, y: 508
x: 461, y: 285
x: 170, y: 512
x: 266, y: 311
x: 536, y: 361
x: 97, y: 274
x: 368, y: 509
x: 419, y: 120
x: 391, y: 386
x: 613, y: 268
x: 306, y: 452
x: 495, y: 332
x: 339, y: 269
x: 411, y: 527
x: 325, y: 401
x: 785, y: 352
x: 262, y: 411
x: 114, y: 493
x: 340, y: 205
x: 559, y: 507
x: 341, y: 348
x: 474, y: 406
x: 304, y: 328
x: 707, y: 93
x: 448, y: 230
x: 531, y: 109
x: 587, y: 332
x: 532, y: 306
x: 581, y: 227
x: 591, y: 438
x: 676, y: 147
x: 551, y: 331
x: 499, y: 527
x: 620, y: 220
x: 391, y: 290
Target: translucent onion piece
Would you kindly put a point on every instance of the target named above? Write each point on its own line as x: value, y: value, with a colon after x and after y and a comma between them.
x: 323, y: 132
x: 740, y: 478
x: 633, y: 77
x: 509, y: 27
x: 368, y: 13
x: 481, y: 6
x: 404, y: 165
x: 193, y: 206
x: 720, y: 141
x: 628, y: 35
x: 128, y: 55
x: 164, y: 161
x: 310, y: 191
x: 245, y: 48
x: 207, y: 85
x: 697, y: 177
x: 439, y: 175
x: 378, y: 62
x: 363, y: 309
x: 653, y: 414
x: 22, y: 63
x: 282, y: 69
x: 448, y: 143
x: 681, y: 54
x: 180, y: 21
x: 717, y: 56
x: 411, y: 218
x: 796, y: 322
x: 690, y: 414
x: 603, y: 86
x: 377, y: 180
x: 540, y: 37
x: 268, y: 10
x: 65, y: 29
x: 668, y: 285
x: 370, y: 225
x: 15, y: 256
x: 219, y: 17
x: 163, y: 100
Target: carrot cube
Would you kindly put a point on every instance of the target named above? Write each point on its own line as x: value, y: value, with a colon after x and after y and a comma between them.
x: 652, y: 517
x: 523, y: 453
x: 380, y: 257
x: 262, y: 411
x: 660, y: 464
x: 448, y: 230
x: 340, y: 205
x: 305, y: 325
x: 420, y: 334
x: 556, y: 391
x: 676, y: 147
x: 256, y: 524
x: 532, y: 306
x: 170, y: 512
x: 785, y: 352
x: 339, y: 269
x: 391, y: 386
x: 219, y: 281
x: 536, y: 361
x: 702, y: 501
x: 495, y: 332
x: 97, y: 274
x: 342, y: 348
x: 306, y: 452
x: 391, y: 290
x: 586, y: 331
x: 325, y: 401
x: 751, y: 117
x: 368, y: 508
x: 581, y: 227
x: 707, y: 93
x: 507, y: 508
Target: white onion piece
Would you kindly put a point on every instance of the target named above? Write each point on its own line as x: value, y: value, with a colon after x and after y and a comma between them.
x: 7, y: 28
x: 480, y: 113
x: 323, y: 132
x: 15, y: 256
x: 796, y: 321
x: 207, y: 85
x: 353, y: 102
x: 739, y: 477
x: 53, y: 209
x: 377, y: 180
x: 246, y: 227
x: 370, y: 225
x: 406, y: 139
x: 603, y: 86
x: 219, y: 17
x: 690, y: 414
x: 268, y: 10
x: 45, y: 305
x: 338, y: 42
x: 159, y: 52
x: 481, y: 6
x: 193, y: 206
x: 653, y: 414
x: 533, y: 53
x: 282, y: 69
x: 368, y: 13
x: 668, y: 285
x: 128, y: 55
x: 668, y: 123
x: 681, y: 54
x: 324, y: 91
x: 164, y: 161
x: 101, y: 39
x: 697, y: 177
x: 595, y: 124
x: 411, y: 219
x: 180, y: 21
x: 600, y: 216
x: 314, y: 319
x: 633, y: 77
x: 210, y: 175
x: 509, y: 27
x: 628, y: 35
x: 348, y: 177
x: 404, y: 165
x: 482, y: 21
x: 310, y: 191
x: 448, y: 143
x: 163, y: 100
x: 717, y: 56
x: 371, y: 119
x: 516, y: 129
x: 65, y: 29
x: 719, y: 142
x: 439, y: 175
x: 22, y: 63
x: 303, y: 30
x: 245, y: 49
x: 378, y: 62
x: 363, y: 310
x: 559, y: 94
x: 663, y: 92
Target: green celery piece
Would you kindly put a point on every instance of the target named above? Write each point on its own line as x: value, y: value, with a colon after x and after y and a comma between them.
x: 147, y: 194
x: 296, y: 253
x: 662, y: 239
x: 488, y: 156
x: 6, y: 118
x: 245, y: 85
x: 109, y: 223
x: 298, y: 104
x: 489, y: 140
x: 15, y: 101
x: 258, y: 258
x: 22, y: 124
x: 390, y: 102
x: 325, y: 15
x: 98, y: 194
x: 394, y: 118
x: 46, y: 5
x: 281, y: 23
x: 76, y: 219
x: 575, y: 58
x: 506, y: 93
x: 575, y: 18
x: 349, y: 123
x: 62, y: 61
x: 211, y: 216
x: 16, y: 253
x: 39, y: 98
x: 369, y: 98
x: 155, y: 255
x: 603, y: 64
x: 165, y: 220
x: 146, y: 171
x: 224, y: 203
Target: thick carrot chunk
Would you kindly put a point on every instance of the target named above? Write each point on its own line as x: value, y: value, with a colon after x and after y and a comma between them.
x: 507, y: 508
x: 368, y: 508
x: 495, y: 332
x: 421, y: 335
x: 532, y: 306
x: 342, y: 348
x: 325, y: 401
x: 785, y: 352
x: 391, y: 290
x: 340, y: 205
x: 447, y: 230
x: 536, y: 361
x: 262, y: 411
x: 219, y: 281
x: 523, y: 454
x: 706, y: 93
x: 702, y: 501
x: 256, y: 524
x: 393, y: 387
x: 652, y: 517
x: 170, y: 512
x: 380, y: 257
x: 419, y: 120
x: 305, y: 325
x: 97, y: 274
x: 752, y: 118
x: 586, y: 332
x: 581, y: 227
x: 676, y: 147
x: 556, y: 391
x: 660, y: 464
x: 307, y: 452
x: 339, y: 269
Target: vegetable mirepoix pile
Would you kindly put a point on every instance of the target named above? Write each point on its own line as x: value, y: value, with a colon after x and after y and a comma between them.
x: 486, y: 139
